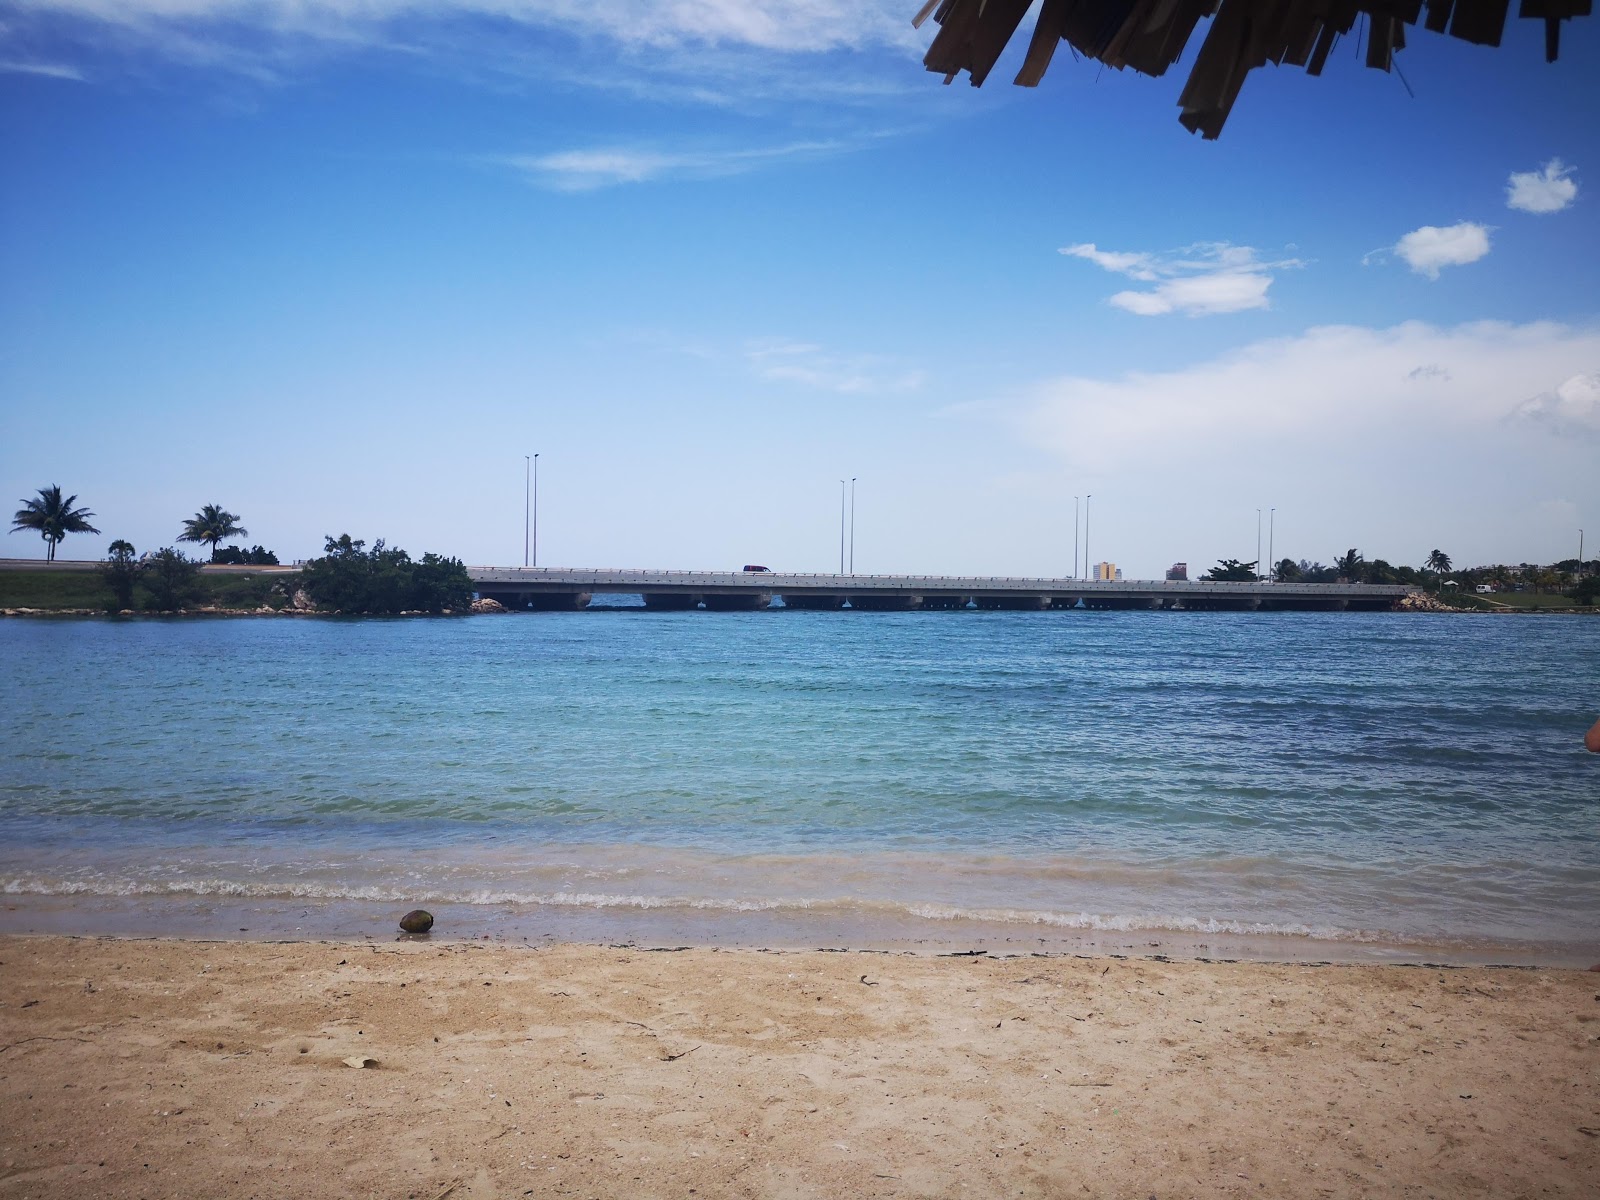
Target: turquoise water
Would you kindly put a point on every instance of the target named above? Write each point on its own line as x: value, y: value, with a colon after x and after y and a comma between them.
x: 1361, y: 778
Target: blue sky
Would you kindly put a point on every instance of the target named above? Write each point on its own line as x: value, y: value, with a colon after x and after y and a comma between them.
x: 339, y: 266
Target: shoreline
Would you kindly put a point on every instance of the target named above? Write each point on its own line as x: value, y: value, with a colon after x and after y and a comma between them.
x: 227, y: 920
x: 494, y: 1071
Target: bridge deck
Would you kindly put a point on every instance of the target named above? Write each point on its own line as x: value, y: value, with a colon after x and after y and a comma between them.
x: 495, y: 581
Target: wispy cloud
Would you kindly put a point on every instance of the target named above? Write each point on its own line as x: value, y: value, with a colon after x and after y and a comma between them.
x: 1430, y: 249
x: 814, y: 367
x: 1572, y: 409
x: 700, y: 50
x: 1405, y: 385
x: 600, y: 167
x: 48, y: 70
x: 1199, y: 280
x: 1549, y: 189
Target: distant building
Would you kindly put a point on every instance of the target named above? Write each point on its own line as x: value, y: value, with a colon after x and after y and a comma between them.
x: 1178, y: 571
x: 1107, y: 572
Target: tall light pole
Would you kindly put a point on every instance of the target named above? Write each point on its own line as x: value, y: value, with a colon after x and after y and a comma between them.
x: 852, y: 524
x: 1258, y: 543
x: 841, y: 527
x: 1272, y: 533
x: 526, y: 492
x: 536, y: 510
x: 1086, y: 500
x: 1075, y: 537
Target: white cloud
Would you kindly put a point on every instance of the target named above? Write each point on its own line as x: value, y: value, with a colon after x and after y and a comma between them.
x: 1200, y: 280
x: 586, y: 170
x: 48, y: 70
x: 1547, y: 190
x: 811, y: 366
x: 793, y: 26
x: 1570, y: 410
x: 1432, y: 247
x: 705, y: 51
x: 1401, y: 385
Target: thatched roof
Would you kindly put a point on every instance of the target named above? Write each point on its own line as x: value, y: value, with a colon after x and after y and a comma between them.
x: 1149, y: 36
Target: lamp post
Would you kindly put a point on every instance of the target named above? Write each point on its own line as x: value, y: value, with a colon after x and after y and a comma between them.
x: 1075, y: 537
x: 1086, y: 500
x: 852, y: 524
x: 536, y: 510
x: 526, y: 492
x: 1272, y: 533
x: 841, y: 527
x: 1258, y: 543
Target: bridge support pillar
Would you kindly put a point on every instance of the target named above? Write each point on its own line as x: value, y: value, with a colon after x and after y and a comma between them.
x: 1015, y: 603
x: 554, y: 601
x: 813, y: 602
x: 671, y: 601
x: 738, y: 602
x: 890, y: 602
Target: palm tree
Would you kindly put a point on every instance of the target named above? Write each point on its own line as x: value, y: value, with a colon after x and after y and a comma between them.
x: 1350, y: 565
x: 212, y: 524
x: 53, y: 517
x: 1439, y: 562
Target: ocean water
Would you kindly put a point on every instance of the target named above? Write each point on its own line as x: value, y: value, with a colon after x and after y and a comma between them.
x: 1344, y: 781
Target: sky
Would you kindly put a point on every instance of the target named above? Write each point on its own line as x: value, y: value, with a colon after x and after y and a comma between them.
x: 342, y: 265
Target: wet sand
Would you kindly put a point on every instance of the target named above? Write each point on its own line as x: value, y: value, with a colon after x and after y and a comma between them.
x: 190, y: 1068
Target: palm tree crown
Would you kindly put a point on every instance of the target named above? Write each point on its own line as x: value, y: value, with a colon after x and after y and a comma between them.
x: 1439, y: 561
x: 212, y: 524
x: 52, y: 517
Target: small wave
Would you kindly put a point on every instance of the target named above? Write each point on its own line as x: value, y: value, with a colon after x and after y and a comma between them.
x: 934, y: 913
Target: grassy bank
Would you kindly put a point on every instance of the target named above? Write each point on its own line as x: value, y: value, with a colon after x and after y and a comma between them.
x: 61, y: 591
x: 1511, y: 602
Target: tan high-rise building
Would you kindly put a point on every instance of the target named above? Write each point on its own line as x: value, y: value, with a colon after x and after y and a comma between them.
x: 1107, y: 572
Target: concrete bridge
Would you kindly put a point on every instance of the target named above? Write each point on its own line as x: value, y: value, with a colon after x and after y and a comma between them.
x: 558, y: 588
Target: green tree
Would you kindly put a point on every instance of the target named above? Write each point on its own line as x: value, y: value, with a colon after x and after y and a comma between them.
x: 121, y: 571
x: 1587, y: 590
x: 52, y: 517
x: 1439, y: 563
x: 172, y: 579
x: 212, y: 524
x: 1287, y: 570
x: 1350, y: 565
x: 349, y: 578
x: 256, y: 556
x: 1231, y: 570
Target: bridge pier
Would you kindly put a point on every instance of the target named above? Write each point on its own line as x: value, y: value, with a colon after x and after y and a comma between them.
x: 1013, y: 603
x: 553, y: 601
x: 812, y: 602
x: 1219, y: 603
x: 1305, y: 603
x: 671, y: 601
x: 737, y: 601
x: 885, y: 602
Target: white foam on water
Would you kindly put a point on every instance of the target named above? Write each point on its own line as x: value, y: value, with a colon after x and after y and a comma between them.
x: 938, y: 914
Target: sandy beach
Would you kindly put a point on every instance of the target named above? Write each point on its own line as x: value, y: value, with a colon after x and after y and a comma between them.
x: 147, y: 1068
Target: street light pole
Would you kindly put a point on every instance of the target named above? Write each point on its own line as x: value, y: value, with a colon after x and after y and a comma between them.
x: 1272, y: 534
x: 525, y: 508
x: 1086, y: 500
x: 1075, y: 537
x: 841, y: 527
x: 1258, y: 543
x: 852, y: 524
x: 536, y: 510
